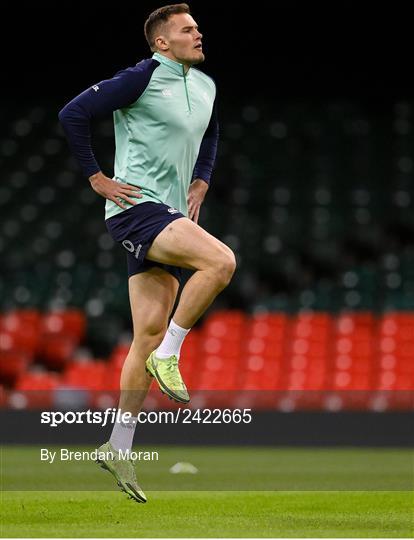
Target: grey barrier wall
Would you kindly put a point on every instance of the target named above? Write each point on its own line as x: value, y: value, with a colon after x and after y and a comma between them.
x: 266, y: 428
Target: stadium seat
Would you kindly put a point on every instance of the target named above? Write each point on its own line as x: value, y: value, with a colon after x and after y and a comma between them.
x: 56, y: 350
x: 89, y: 375
x: 37, y: 381
x: 21, y: 329
x: 13, y: 363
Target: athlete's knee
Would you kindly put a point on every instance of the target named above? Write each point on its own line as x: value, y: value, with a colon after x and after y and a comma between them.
x: 150, y: 334
x: 147, y: 344
x: 226, y: 266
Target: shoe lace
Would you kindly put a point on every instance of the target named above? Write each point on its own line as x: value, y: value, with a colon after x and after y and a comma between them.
x: 174, y: 373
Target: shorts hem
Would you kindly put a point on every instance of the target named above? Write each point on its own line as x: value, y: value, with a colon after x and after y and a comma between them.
x: 142, y: 270
x: 160, y: 229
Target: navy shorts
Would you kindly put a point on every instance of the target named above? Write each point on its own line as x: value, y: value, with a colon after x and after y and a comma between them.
x: 136, y: 228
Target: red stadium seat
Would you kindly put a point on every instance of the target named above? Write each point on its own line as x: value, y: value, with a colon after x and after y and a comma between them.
x: 87, y: 375
x: 12, y: 364
x: 35, y: 390
x: 118, y: 355
x: 35, y: 381
x: 57, y: 350
x: 190, y: 359
x: 71, y: 323
x: 22, y: 328
x: 261, y: 373
x: 307, y: 362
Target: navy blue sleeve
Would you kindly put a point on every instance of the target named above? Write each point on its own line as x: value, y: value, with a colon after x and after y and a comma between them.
x: 102, y: 98
x: 208, y: 149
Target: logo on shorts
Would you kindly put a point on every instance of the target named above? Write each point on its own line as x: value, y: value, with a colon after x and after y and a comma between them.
x: 172, y: 210
x: 131, y: 248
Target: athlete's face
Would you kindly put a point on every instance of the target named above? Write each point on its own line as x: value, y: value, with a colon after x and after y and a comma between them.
x: 181, y: 40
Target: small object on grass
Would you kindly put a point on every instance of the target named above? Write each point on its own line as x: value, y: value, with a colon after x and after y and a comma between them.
x: 183, y: 467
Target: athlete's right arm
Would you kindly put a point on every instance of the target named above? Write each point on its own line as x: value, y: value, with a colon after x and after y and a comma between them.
x: 101, y: 99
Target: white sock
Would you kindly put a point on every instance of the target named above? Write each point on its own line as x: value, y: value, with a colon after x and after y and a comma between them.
x: 173, y: 339
x: 123, y: 434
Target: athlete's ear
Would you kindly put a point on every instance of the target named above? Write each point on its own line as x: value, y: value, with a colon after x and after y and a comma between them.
x: 161, y: 43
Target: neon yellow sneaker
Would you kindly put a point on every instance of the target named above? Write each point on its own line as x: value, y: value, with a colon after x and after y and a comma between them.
x: 168, y: 376
x: 122, y: 469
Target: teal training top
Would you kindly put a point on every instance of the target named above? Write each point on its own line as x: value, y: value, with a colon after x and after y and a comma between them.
x: 165, y: 125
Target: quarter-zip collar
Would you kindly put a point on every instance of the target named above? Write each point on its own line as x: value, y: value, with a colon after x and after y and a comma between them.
x: 174, y: 66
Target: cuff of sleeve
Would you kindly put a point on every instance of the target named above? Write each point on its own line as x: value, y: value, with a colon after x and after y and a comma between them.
x: 89, y: 171
x: 202, y: 175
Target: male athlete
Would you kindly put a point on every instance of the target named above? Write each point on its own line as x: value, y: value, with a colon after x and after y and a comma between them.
x: 166, y: 136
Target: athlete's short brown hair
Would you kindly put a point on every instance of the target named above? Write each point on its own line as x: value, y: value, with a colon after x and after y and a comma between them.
x: 159, y: 17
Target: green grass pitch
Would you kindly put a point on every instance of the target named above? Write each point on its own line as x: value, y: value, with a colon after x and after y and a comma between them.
x: 238, y: 492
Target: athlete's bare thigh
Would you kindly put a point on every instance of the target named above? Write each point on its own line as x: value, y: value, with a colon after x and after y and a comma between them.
x: 184, y: 243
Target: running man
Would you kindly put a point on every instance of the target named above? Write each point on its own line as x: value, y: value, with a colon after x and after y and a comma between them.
x: 166, y: 134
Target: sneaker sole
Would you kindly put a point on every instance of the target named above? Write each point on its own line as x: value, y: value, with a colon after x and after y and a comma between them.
x: 129, y: 490
x: 164, y: 389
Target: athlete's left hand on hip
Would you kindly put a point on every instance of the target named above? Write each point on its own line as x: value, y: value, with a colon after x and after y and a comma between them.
x: 196, y: 193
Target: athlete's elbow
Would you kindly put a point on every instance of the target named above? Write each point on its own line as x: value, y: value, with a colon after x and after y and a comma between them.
x: 63, y: 115
x: 67, y: 114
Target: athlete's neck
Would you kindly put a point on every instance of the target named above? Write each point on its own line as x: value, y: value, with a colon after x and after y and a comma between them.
x: 170, y: 56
